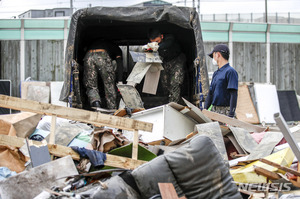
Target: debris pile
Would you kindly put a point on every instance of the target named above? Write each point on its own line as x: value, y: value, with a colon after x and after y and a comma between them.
x: 169, y: 151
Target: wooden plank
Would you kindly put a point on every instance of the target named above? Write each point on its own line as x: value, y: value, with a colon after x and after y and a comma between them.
x: 269, y: 174
x: 279, y: 166
x: 135, y: 144
x: 52, y: 130
x: 298, y: 168
x: 61, y: 151
x: 168, y: 191
x: 231, y: 121
x: 95, y: 118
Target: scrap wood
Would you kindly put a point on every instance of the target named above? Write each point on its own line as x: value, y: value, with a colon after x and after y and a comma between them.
x: 96, y: 118
x: 168, y: 191
x: 123, y: 112
x: 231, y: 121
x: 166, y: 142
x: 279, y: 166
x: 269, y: 174
x: 61, y: 151
x: 295, y: 183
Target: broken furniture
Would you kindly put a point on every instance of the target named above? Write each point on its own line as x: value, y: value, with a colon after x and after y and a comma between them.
x: 167, y: 122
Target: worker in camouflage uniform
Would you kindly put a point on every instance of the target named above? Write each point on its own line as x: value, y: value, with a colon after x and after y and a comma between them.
x: 174, y: 61
x: 102, y: 58
x: 222, y: 95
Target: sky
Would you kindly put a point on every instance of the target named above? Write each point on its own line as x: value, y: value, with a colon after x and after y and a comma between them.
x: 11, y: 8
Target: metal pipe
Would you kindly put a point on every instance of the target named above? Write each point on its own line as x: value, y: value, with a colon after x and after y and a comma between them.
x: 287, y: 134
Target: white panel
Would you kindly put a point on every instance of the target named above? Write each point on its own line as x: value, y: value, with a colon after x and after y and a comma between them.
x: 266, y: 102
x: 155, y: 116
x: 167, y: 122
x: 176, y: 125
x: 55, y: 93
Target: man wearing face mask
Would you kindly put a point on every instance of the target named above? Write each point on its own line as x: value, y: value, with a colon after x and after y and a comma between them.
x: 222, y: 94
x: 173, y: 62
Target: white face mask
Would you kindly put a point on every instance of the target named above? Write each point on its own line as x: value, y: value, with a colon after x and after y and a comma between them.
x: 214, y: 62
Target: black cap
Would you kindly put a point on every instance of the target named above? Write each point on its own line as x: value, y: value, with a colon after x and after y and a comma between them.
x: 223, y: 48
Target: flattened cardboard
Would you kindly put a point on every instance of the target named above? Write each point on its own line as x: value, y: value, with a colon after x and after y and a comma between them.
x: 245, y: 110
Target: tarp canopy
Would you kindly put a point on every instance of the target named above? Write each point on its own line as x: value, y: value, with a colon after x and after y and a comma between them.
x: 128, y: 26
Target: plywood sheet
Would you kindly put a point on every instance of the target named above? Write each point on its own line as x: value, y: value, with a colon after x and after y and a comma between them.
x: 245, y: 110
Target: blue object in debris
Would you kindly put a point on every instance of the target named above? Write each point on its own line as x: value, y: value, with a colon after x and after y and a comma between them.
x: 6, y: 173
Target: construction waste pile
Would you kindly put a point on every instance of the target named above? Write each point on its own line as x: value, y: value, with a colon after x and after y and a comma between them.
x: 172, y: 151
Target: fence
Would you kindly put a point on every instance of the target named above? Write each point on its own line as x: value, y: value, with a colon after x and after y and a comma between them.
x: 259, y: 52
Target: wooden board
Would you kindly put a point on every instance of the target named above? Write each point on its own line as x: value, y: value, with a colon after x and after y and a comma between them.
x: 95, y: 118
x: 245, y: 110
x: 269, y: 174
x: 231, y: 121
x: 168, y: 191
x: 62, y: 151
x: 278, y: 166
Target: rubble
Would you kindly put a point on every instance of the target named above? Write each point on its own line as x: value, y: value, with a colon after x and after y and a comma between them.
x: 175, y: 149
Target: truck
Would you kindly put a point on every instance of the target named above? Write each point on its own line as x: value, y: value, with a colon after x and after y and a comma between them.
x: 127, y: 27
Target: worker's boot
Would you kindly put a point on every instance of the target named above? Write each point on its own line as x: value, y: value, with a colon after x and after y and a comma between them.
x: 96, y: 104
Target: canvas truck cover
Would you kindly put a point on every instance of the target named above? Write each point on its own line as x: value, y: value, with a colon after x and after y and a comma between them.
x: 128, y: 25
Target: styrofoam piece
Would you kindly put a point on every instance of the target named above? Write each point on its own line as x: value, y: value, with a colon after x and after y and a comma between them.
x: 266, y: 102
x: 167, y: 122
x: 55, y: 93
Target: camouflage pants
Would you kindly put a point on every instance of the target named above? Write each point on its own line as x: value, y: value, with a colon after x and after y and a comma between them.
x: 99, y: 63
x: 172, y: 77
x: 225, y: 110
